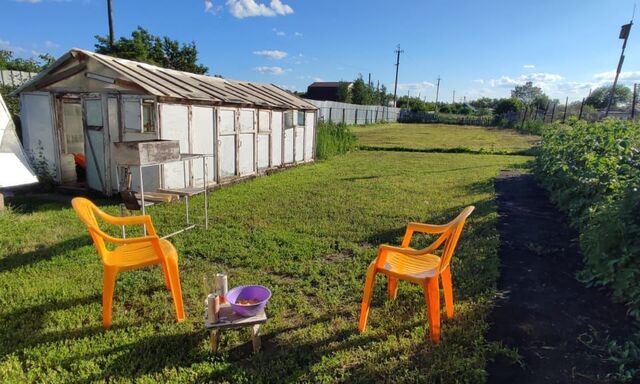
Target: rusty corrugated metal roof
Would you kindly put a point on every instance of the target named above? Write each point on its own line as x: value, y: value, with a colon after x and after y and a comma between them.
x: 165, y: 82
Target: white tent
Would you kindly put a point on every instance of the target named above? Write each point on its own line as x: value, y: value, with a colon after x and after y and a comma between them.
x: 14, y: 166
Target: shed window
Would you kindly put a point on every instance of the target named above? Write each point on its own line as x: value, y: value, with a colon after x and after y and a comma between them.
x: 148, y: 117
x: 288, y: 119
x: 301, y: 117
x: 93, y: 113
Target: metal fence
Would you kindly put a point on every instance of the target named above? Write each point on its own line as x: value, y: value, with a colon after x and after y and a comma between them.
x: 354, y: 114
x: 14, y: 78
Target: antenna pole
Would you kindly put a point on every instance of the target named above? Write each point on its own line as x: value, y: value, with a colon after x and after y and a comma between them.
x: 437, y: 92
x: 624, y: 34
x: 398, y: 51
x: 110, y: 12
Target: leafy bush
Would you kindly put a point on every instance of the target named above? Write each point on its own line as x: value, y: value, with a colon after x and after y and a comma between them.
x: 593, y: 173
x: 334, y: 139
x: 507, y: 105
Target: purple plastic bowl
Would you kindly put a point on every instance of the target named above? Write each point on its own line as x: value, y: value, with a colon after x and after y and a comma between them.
x: 248, y: 292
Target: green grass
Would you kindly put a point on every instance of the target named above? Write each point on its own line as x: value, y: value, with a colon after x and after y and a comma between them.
x: 444, y: 138
x: 307, y: 233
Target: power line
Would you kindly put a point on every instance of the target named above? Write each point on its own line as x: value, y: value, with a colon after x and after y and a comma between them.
x: 398, y: 51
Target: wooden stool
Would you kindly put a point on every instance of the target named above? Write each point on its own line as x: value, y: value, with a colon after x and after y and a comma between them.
x: 227, y: 319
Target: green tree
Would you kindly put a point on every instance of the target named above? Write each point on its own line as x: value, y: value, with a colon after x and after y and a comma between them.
x: 360, y: 92
x: 148, y: 48
x: 9, y: 62
x: 530, y: 95
x: 599, y: 97
x: 344, y: 93
x: 507, y: 105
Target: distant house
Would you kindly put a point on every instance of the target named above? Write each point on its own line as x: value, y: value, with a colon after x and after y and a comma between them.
x: 324, y: 90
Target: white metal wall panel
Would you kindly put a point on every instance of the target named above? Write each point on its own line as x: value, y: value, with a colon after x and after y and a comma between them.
x: 203, y: 142
x: 247, y: 120
x: 288, y: 146
x: 276, y: 139
x: 263, y: 121
x: 226, y: 142
x: 299, y: 152
x: 174, y: 121
x: 309, y: 136
x: 38, y: 132
x: 263, y: 151
x: 247, y: 160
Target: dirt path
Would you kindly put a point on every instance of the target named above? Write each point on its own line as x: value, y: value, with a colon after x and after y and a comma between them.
x: 542, y: 310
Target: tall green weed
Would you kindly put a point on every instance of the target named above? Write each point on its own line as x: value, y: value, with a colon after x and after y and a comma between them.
x: 334, y: 139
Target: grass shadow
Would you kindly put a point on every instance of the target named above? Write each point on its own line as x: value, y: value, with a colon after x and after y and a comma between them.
x: 18, y: 260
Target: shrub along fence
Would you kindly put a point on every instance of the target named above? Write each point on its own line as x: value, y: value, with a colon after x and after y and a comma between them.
x: 593, y: 172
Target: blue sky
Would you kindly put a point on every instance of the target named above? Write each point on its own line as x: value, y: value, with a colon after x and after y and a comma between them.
x: 479, y: 48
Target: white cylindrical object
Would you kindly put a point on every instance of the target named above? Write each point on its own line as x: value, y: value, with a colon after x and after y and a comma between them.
x: 222, y: 285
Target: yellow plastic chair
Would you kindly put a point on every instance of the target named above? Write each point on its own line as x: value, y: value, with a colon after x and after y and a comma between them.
x: 420, y: 267
x: 132, y: 253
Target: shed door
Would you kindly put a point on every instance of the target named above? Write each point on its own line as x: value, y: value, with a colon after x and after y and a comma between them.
x: 247, y: 162
x: 276, y: 139
x: 175, y: 126
x: 264, y: 135
x: 202, y: 142
x: 227, y: 142
x: 309, y: 136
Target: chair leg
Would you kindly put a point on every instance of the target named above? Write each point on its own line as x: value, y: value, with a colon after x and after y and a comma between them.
x: 432, y: 299
x: 108, y: 286
x: 165, y: 273
x: 392, y: 287
x: 366, y: 297
x: 176, y: 290
x: 448, y: 291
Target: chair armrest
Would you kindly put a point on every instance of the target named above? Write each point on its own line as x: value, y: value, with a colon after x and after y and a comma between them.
x: 129, y: 220
x: 422, y: 228
x: 427, y: 228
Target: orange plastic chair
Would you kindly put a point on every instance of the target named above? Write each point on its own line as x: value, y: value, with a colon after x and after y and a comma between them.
x: 421, y: 267
x: 132, y: 253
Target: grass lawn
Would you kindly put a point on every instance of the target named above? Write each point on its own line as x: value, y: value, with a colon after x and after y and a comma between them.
x: 442, y: 137
x: 308, y: 233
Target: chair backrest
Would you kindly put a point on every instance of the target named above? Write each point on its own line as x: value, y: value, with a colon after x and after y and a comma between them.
x: 452, y: 235
x: 85, y: 210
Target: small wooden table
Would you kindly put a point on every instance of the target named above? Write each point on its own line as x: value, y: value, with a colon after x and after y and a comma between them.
x: 227, y: 319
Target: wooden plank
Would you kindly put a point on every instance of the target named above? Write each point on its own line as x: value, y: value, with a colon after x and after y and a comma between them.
x: 229, y: 319
x: 159, y: 197
x: 189, y: 191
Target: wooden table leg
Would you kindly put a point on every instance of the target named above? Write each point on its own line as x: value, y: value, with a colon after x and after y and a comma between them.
x: 213, y: 336
x: 255, y: 337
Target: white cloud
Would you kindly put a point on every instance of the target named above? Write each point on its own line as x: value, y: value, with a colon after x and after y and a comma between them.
x: 539, y: 79
x: 318, y: 79
x: 479, y: 81
x: 420, y: 87
x: 528, y: 66
x: 6, y: 45
x: 277, y: 71
x: 272, y: 54
x: 298, y: 34
x: 251, y: 8
x: 278, y: 32
x: 208, y: 5
x: 51, y: 45
x: 29, y: 1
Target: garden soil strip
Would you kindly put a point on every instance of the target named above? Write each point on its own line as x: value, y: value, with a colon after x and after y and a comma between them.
x: 542, y: 311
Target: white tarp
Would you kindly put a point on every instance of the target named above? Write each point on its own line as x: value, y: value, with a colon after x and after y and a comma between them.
x: 14, y: 166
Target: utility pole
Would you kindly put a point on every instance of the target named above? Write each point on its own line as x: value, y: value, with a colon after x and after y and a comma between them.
x: 624, y: 34
x: 464, y: 99
x: 369, y: 83
x: 454, y: 96
x: 398, y: 51
x: 110, y: 11
x: 437, y: 92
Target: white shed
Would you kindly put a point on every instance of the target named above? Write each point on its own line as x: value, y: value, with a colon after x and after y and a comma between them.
x: 85, y: 103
